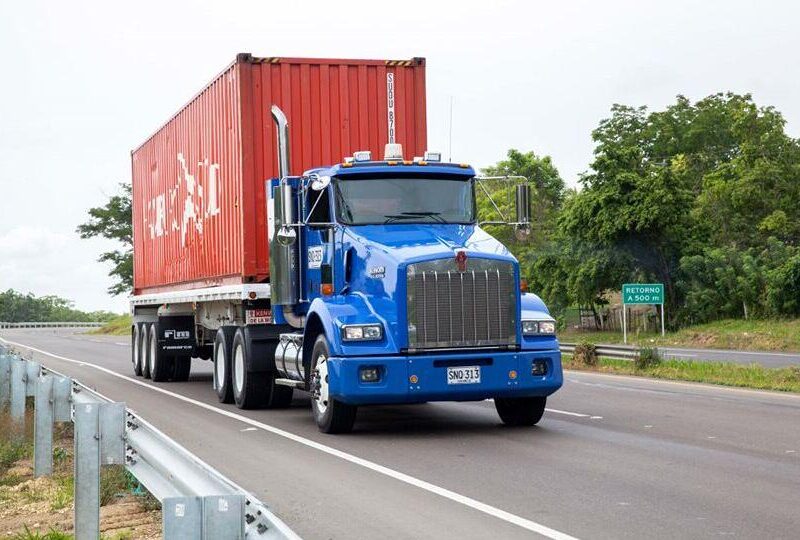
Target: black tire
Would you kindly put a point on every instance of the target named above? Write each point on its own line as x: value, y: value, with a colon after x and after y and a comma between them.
x: 280, y: 397
x: 136, y: 349
x: 251, y: 390
x: 526, y: 411
x: 162, y: 365
x: 331, y: 416
x: 223, y: 342
x: 183, y: 366
x: 144, y: 336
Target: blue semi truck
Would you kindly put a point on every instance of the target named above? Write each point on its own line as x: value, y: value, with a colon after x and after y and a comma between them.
x: 384, y: 289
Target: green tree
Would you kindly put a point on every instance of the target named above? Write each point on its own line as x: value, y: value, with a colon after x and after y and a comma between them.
x: 18, y: 307
x: 113, y: 221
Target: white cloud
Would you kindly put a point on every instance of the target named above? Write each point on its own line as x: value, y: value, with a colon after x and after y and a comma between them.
x: 38, y: 260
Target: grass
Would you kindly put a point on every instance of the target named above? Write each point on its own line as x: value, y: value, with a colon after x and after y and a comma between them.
x: 750, y: 335
x: 28, y: 534
x: 744, y: 376
x: 118, y: 326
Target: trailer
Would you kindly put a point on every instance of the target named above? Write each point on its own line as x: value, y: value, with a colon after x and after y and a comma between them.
x: 363, y: 278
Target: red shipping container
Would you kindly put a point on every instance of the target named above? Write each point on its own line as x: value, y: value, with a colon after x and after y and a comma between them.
x: 199, y: 203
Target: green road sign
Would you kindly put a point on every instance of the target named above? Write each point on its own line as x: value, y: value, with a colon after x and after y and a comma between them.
x: 643, y: 293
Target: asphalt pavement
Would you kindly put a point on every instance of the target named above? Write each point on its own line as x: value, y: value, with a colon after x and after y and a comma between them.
x: 614, y: 457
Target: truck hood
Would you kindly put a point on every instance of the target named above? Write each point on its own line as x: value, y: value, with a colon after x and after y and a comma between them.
x: 379, y: 255
x: 407, y: 243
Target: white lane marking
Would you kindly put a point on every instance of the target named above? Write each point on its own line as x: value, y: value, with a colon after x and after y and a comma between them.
x: 648, y: 426
x: 679, y: 355
x: 791, y: 451
x: 579, y: 415
x: 248, y: 429
x: 386, y: 471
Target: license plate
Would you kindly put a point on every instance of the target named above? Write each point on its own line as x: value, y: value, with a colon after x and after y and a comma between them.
x: 464, y: 375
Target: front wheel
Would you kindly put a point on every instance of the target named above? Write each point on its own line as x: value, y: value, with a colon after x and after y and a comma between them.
x: 526, y: 411
x: 332, y: 416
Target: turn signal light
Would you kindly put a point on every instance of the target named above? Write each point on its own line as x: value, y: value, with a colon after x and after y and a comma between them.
x: 523, y: 285
x: 326, y: 289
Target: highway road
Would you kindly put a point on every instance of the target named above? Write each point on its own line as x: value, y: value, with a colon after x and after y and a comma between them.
x: 766, y: 359
x: 614, y: 457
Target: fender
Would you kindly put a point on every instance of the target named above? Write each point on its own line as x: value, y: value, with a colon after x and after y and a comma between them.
x: 353, y: 308
x: 532, y: 307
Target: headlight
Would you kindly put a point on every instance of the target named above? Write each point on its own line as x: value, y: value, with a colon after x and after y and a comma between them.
x: 536, y: 328
x: 362, y: 332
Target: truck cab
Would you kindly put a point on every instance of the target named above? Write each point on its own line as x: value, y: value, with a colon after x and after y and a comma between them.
x: 393, y: 293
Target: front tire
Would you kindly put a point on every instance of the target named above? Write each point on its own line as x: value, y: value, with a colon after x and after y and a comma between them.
x: 331, y: 416
x: 251, y: 390
x: 526, y: 411
x: 223, y: 343
x: 161, y: 365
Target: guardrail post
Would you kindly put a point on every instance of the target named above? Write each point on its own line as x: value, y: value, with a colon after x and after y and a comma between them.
x: 112, y: 434
x: 18, y: 392
x: 223, y: 517
x: 62, y: 399
x: 5, y: 379
x: 32, y: 372
x: 43, y: 427
x: 87, y: 471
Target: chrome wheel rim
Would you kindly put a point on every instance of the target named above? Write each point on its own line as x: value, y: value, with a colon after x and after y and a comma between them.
x: 219, y: 367
x: 321, y: 400
x: 153, y: 346
x: 136, y: 358
x: 238, y: 370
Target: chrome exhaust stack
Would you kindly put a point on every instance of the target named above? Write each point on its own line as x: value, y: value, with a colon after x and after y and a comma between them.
x: 283, y: 260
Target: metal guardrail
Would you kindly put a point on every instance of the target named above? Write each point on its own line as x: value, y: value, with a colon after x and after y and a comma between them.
x: 621, y: 352
x: 34, y: 324
x: 196, y: 500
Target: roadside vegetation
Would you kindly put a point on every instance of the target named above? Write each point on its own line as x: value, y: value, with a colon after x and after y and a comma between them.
x: 18, y: 307
x: 735, y: 334
x: 649, y: 364
x: 42, y: 508
x: 118, y: 326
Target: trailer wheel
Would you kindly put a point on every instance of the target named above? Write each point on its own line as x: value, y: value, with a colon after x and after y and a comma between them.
x: 526, y: 411
x: 144, y: 349
x: 183, y: 366
x: 251, y: 390
x: 136, y: 349
x: 161, y: 365
x: 332, y: 416
x: 223, y: 343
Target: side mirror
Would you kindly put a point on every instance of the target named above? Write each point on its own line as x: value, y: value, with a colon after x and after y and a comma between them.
x: 318, y: 183
x: 523, y: 200
x: 286, y: 236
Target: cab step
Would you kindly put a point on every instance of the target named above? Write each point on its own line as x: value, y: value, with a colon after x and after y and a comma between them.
x: 292, y: 383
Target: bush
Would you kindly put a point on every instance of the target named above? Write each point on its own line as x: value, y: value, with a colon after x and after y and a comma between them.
x: 585, y: 353
x: 647, y: 357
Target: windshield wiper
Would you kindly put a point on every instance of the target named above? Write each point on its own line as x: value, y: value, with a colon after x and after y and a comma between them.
x: 345, y: 207
x: 436, y: 216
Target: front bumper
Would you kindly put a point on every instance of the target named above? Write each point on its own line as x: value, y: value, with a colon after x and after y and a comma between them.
x: 419, y: 378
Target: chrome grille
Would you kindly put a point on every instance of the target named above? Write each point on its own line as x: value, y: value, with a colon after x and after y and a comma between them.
x: 448, y: 308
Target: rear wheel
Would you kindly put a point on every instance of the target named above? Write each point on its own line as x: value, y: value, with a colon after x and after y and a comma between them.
x: 136, y: 349
x: 332, y: 416
x: 144, y: 349
x: 251, y: 390
x: 161, y: 365
x: 183, y: 366
x: 223, y: 343
x: 526, y: 411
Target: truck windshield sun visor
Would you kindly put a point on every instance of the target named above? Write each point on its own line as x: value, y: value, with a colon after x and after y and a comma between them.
x: 393, y: 199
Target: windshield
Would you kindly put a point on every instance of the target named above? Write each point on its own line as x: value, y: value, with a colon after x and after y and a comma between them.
x: 385, y: 200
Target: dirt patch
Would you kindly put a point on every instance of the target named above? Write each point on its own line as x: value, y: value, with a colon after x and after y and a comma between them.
x: 46, y: 503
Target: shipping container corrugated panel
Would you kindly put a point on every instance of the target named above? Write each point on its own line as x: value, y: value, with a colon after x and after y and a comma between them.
x: 199, y: 203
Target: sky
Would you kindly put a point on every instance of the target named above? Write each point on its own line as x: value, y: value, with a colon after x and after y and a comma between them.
x: 85, y: 82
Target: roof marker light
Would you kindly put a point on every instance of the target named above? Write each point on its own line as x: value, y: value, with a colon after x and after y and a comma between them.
x: 433, y: 156
x: 362, y: 155
x: 393, y: 151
